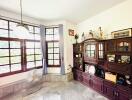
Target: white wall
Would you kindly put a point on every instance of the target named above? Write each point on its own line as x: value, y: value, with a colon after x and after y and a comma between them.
x: 68, y: 45
x: 115, y: 18
x: 26, y: 75
x: 16, y: 17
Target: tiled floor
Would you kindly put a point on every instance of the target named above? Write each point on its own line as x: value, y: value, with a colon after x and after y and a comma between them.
x: 61, y: 91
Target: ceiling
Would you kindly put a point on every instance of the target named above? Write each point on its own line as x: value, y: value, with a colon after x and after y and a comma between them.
x: 48, y: 10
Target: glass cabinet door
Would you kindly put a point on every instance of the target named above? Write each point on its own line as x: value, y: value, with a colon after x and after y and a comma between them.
x: 101, y: 50
x: 124, y: 45
x: 90, y: 50
x: 111, y: 45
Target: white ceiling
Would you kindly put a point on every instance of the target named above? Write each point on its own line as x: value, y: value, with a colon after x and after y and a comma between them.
x: 71, y: 10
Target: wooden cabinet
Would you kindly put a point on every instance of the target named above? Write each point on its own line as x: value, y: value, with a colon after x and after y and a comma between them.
x: 107, y: 88
x: 110, y: 45
x: 125, y: 69
x: 115, y: 92
x: 114, y: 56
x: 78, y: 56
x: 90, y: 51
x: 97, y: 84
x: 94, y: 51
x: 86, y: 79
x: 119, y: 55
x: 77, y: 75
x: 124, y: 45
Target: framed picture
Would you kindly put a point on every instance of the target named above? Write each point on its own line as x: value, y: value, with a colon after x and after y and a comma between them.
x: 122, y: 33
x: 71, y: 32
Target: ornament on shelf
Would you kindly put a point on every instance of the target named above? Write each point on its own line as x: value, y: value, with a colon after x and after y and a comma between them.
x: 76, y: 37
x: 90, y: 35
x: 101, y: 34
x: 83, y: 37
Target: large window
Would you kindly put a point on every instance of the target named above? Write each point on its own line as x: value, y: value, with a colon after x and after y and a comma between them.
x: 16, y: 54
x: 52, y: 47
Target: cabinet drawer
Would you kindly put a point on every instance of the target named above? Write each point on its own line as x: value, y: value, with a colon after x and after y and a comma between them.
x: 120, y: 68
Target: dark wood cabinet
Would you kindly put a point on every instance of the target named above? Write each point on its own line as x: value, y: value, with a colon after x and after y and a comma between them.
x: 78, y: 56
x: 97, y: 84
x: 119, y: 55
x: 112, y: 56
x: 125, y: 69
x: 110, y: 45
x: 121, y: 95
x: 90, y: 51
x: 86, y: 79
x: 107, y: 88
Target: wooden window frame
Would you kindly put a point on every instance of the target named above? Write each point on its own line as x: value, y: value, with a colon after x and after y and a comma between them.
x: 22, y: 50
x: 52, y: 41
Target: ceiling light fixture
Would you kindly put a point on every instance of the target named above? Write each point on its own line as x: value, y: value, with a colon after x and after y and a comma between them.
x: 21, y: 30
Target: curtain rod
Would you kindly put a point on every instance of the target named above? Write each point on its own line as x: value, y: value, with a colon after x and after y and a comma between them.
x: 13, y: 19
x: 52, y: 26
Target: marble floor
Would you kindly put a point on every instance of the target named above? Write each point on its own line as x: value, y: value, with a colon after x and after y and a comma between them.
x: 60, y: 91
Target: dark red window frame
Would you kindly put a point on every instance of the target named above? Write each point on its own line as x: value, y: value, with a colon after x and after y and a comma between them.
x: 22, y: 50
x: 52, y: 41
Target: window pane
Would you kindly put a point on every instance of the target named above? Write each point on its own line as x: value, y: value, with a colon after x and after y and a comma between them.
x: 13, y: 34
x: 56, y: 44
x: 56, y: 31
x: 15, y: 52
x: 29, y: 51
x: 50, y: 62
x: 56, y: 37
x: 38, y: 63
x: 50, y: 50
x: 4, y: 24
x: 56, y: 56
x: 37, y: 45
x: 37, y: 51
x: 16, y: 59
x: 38, y: 57
x: 4, y: 69
x: 50, y: 56
x: 4, y: 44
x: 92, y: 47
x: 30, y: 58
x: 15, y: 67
x: 31, y: 36
x: 56, y: 62
x: 4, y: 52
x: 92, y: 55
x: 49, y: 37
x: 29, y: 44
x: 3, y: 33
x: 4, y: 60
x: 12, y: 25
x: 50, y: 44
x: 30, y: 29
x: 56, y: 50
x: 14, y: 44
x: 88, y: 47
x: 92, y: 52
x: 37, y: 30
x: 49, y: 31
x: 30, y: 64
x: 37, y: 37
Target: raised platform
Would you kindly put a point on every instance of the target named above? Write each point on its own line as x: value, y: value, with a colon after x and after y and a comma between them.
x: 58, y: 77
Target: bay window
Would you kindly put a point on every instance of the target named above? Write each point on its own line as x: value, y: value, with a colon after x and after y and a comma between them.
x: 16, y: 54
x: 52, y: 47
